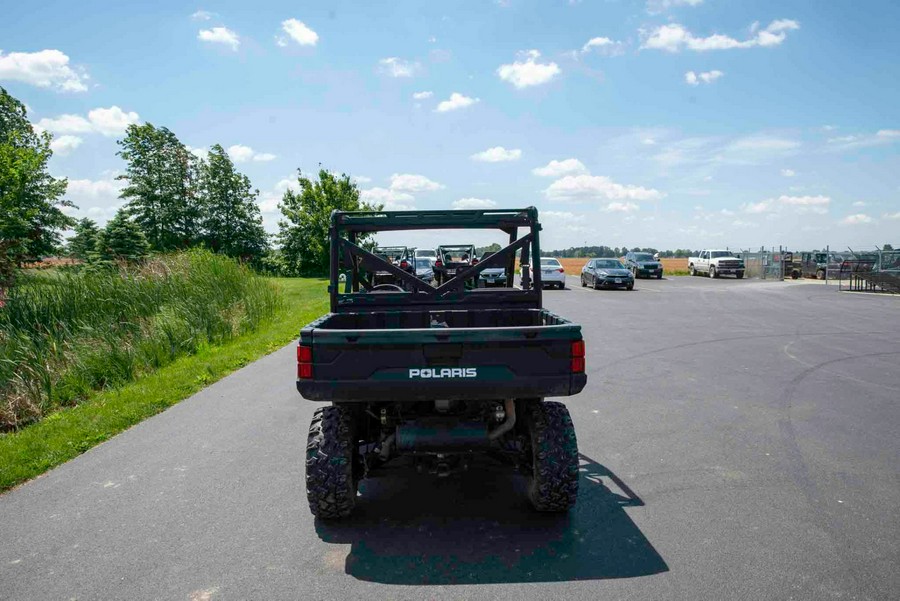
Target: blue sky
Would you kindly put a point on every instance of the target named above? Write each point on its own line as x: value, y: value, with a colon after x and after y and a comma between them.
x: 664, y: 123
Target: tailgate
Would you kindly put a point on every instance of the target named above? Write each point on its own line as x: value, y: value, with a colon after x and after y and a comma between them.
x: 441, y: 363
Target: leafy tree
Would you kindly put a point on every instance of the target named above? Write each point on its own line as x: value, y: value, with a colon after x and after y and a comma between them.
x: 31, y: 217
x: 122, y: 240
x: 84, y: 243
x: 887, y: 247
x: 303, y: 233
x: 161, y: 189
x: 231, y: 223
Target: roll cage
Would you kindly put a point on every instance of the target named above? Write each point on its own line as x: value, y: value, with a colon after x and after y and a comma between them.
x: 354, y: 261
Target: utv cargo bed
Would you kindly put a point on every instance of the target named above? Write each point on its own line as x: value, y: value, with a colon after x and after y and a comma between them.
x: 441, y: 354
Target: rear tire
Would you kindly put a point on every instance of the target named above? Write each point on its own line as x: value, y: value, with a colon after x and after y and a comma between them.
x: 554, y: 454
x: 691, y: 270
x: 330, y: 453
x: 583, y: 284
x: 820, y: 274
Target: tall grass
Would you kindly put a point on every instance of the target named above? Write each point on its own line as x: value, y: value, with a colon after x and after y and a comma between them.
x: 65, y: 335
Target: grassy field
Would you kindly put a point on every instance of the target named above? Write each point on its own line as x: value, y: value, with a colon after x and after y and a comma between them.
x: 670, y: 266
x: 68, y: 432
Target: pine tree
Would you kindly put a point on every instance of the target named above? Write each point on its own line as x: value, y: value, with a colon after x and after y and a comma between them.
x: 122, y: 240
x: 231, y: 223
x: 84, y: 243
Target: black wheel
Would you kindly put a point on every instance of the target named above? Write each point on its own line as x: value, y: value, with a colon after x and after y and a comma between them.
x: 712, y: 272
x: 583, y: 284
x: 554, y: 454
x: 820, y: 274
x: 330, y: 453
x: 691, y: 269
x: 629, y: 287
x: 562, y: 286
x: 658, y: 276
x: 596, y: 285
x: 739, y: 275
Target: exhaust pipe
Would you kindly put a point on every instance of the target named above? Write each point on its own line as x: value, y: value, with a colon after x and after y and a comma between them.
x: 510, y: 405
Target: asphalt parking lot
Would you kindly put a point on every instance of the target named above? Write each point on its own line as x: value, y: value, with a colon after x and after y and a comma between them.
x: 739, y: 439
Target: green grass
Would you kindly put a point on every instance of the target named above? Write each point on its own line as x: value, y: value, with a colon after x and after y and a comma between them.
x: 66, y: 334
x: 66, y: 433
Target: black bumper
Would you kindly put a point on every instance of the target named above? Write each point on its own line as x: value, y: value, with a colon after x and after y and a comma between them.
x: 431, y: 390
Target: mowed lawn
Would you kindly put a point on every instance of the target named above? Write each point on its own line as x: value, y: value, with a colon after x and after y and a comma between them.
x: 67, y: 433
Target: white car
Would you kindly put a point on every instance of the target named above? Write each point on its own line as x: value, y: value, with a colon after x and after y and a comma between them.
x: 552, y: 273
x: 424, y: 253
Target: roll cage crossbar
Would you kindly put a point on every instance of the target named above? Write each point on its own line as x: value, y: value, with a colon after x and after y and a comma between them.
x: 348, y: 256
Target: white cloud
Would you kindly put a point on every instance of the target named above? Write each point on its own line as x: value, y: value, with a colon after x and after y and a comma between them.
x: 110, y: 121
x: 800, y: 204
x: 391, y: 199
x: 241, y: 154
x: 422, y: 95
x: 559, y: 168
x: 857, y: 219
x: 44, y: 69
x: 788, y: 172
x: 674, y: 37
x: 202, y: 15
x: 97, y: 199
x: 654, y: 7
x: 882, y: 136
x: 754, y: 208
x: 593, y: 187
x: 892, y: 215
x: 622, y: 207
x: 220, y: 35
x: 406, y: 182
x: 200, y: 153
x: 64, y: 145
x: 527, y: 71
x: 603, y: 46
x: 455, y: 102
x: 299, y: 32
x: 397, y: 67
x: 497, y: 154
x: 763, y: 143
x: 859, y: 203
x: 706, y: 77
x: 474, y: 203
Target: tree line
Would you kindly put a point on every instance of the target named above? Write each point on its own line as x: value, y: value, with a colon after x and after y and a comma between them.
x: 579, y: 252
x: 173, y: 200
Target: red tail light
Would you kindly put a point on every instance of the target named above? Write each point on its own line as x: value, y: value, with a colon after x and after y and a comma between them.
x: 304, y: 362
x: 577, y: 357
x: 561, y: 270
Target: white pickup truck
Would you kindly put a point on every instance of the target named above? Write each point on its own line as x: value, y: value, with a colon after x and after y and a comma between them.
x: 715, y: 263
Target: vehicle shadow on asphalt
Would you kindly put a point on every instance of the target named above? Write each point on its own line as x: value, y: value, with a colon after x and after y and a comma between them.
x: 477, y: 527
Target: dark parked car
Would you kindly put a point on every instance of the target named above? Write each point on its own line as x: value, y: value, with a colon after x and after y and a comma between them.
x: 492, y: 276
x: 643, y: 264
x: 424, y: 269
x: 606, y: 273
